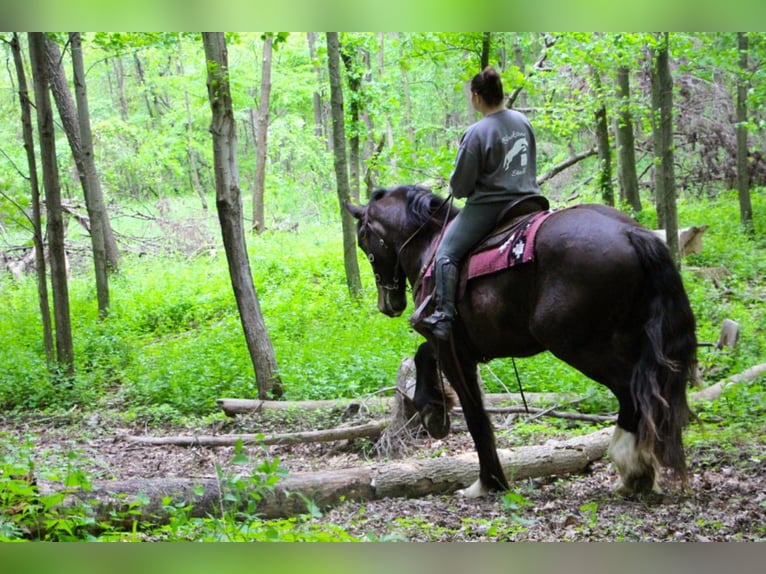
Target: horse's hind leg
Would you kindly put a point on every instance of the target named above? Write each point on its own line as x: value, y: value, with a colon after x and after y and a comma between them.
x: 612, y: 366
x: 637, y: 466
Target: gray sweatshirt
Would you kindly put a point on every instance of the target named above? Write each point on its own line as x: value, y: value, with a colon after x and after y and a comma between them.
x: 496, y: 161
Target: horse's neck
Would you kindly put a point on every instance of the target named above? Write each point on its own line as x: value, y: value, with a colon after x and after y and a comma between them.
x: 417, y: 256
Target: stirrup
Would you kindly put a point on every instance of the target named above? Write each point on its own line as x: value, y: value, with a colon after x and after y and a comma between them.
x: 439, y: 324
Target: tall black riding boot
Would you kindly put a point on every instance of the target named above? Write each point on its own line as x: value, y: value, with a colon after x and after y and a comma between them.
x: 440, y: 321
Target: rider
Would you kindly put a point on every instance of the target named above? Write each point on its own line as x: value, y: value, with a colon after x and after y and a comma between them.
x: 495, y: 166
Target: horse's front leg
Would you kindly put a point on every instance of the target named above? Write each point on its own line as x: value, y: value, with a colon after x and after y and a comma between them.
x: 433, y: 397
x: 461, y: 371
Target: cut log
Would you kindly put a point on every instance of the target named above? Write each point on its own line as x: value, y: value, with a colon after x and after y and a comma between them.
x: 372, y: 429
x: 413, y: 478
x: 689, y: 238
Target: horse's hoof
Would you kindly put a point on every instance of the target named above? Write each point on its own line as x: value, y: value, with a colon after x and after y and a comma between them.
x: 476, y: 490
x: 642, y: 485
x: 437, y: 424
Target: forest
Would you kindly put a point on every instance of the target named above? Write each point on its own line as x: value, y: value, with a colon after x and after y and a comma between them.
x: 173, y: 236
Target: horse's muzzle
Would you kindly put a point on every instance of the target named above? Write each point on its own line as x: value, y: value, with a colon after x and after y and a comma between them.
x: 391, y: 303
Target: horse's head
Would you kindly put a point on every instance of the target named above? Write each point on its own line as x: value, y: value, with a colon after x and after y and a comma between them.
x: 394, y: 230
x: 379, y: 241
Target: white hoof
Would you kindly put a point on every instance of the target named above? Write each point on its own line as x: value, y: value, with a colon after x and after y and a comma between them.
x: 476, y: 490
x: 639, y: 471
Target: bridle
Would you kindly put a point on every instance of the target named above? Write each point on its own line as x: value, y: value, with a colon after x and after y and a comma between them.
x: 395, y: 284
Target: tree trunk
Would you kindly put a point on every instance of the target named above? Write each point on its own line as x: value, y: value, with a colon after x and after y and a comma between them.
x: 367, y: 430
x: 354, y: 78
x: 486, y: 41
x: 626, y: 148
x: 604, y: 179
x: 122, y: 102
x: 229, y: 204
x: 261, y: 134
x: 233, y: 407
x: 55, y: 225
x: 413, y: 478
x: 70, y: 119
x: 662, y: 126
x: 142, y: 83
x: 743, y: 176
x: 94, y: 199
x: 353, y: 279
x: 319, y: 124
x: 190, y: 155
x: 37, y: 234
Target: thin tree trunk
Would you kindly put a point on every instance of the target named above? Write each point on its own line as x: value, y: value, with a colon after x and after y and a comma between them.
x: 354, y: 78
x: 353, y: 279
x: 29, y: 146
x: 119, y: 73
x: 261, y: 135
x: 626, y: 148
x: 319, y: 124
x: 229, y: 204
x: 142, y: 83
x: 190, y: 155
x: 604, y: 179
x: 94, y: 199
x: 55, y: 224
x: 410, y: 128
x: 743, y: 176
x: 71, y: 121
x: 662, y: 101
x: 486, y: 41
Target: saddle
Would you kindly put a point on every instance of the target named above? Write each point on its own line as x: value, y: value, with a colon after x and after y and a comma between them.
x: 510, y: 218
x: 510, y: 243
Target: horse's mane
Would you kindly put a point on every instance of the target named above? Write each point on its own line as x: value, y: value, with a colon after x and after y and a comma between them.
x: 423, y: 206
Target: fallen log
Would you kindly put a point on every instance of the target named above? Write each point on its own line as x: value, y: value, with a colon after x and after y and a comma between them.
x: 147, y: 499
x: 232, y: 406
x: 714, y: 391
x: 372, y: 429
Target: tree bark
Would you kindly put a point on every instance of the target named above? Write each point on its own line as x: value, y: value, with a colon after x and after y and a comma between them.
x: 37, y: 234
x: 351, y: 264
x: 261, y: 134
x: 70, y: 119
x: 662, y: 103
x: 55, y: 223
x: 229, y: 205
x: 626, y: 147
x: 94, y: 198
x: 743, y: 175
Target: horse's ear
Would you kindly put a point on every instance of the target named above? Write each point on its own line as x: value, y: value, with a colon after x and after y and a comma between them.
x: 354, y: 210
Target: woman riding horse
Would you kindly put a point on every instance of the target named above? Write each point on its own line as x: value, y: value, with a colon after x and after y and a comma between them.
x: 601, y: 293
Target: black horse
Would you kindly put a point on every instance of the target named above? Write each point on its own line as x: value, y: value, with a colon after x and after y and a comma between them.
x: 602, y: 294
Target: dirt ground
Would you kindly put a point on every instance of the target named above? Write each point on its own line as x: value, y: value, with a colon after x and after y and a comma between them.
x: 725, y: 499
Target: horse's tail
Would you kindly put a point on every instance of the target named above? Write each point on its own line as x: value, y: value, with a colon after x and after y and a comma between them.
x: 668, y: 355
